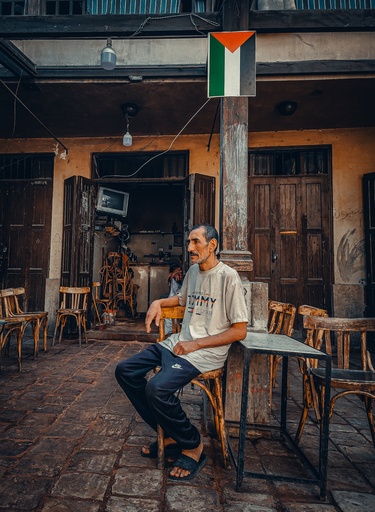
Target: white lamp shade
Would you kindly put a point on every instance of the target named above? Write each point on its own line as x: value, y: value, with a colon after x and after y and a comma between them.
x: 108, y: 58
x: 127, y: 139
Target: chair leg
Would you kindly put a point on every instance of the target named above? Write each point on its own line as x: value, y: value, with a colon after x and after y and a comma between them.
x: 36, y: 327
x: 44, y: 327
x: 302, y: 423
x: 369, y: 403
x: 55, y: 331
x: 221, y: 430
x: 19, y: 337
x: 160, y: 433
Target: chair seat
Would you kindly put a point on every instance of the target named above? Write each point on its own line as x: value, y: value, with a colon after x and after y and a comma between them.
x: 343, y: 378
x: 71, y: 311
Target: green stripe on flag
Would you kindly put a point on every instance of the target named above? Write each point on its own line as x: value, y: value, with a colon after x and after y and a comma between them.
x: 216, y: 68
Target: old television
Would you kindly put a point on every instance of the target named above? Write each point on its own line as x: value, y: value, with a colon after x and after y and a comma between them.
x: 113, y: 202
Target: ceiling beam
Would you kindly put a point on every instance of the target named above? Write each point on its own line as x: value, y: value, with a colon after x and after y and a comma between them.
x: 181, y: 25
x: 109, y: 25
x: 14, y: 60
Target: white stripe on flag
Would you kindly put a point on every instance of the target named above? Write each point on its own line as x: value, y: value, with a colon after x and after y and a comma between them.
x: 232, y: 72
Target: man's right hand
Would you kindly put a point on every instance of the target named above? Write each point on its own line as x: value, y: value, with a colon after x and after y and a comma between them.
x: 153, y: 313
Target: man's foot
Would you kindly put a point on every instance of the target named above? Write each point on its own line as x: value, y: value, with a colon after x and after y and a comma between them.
x: 186, y: 469
x: 171, y: 449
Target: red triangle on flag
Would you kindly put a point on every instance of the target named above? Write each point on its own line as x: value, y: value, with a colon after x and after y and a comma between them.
x: 232, y: 40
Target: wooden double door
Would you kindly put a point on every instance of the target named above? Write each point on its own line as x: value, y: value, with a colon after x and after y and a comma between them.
x: 290, y: 237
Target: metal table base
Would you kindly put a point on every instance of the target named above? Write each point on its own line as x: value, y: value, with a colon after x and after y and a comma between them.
x: 284, y: 346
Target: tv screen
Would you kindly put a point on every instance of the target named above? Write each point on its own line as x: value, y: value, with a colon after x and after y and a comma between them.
x: 114, y: 202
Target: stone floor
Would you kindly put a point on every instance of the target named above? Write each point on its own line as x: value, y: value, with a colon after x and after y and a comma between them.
x: 70, y: 442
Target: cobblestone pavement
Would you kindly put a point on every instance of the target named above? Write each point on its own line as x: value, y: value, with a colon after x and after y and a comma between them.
x: 70, y: 442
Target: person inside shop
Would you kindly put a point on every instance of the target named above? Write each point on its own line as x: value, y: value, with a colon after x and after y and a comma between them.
x: 174, y: 282
x: 215, y: 316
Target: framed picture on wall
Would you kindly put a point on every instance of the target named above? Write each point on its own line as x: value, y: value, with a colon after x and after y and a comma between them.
x: 177, y: 240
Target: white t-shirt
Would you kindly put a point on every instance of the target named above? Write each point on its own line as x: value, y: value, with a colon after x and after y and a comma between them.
x: 214, y: 300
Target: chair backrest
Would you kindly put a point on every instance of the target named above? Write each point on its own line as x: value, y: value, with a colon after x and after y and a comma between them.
x: 314, y: 338
x: 176, y: 314
x: 343, y: 327
x: 281, y: 316
x: 74, y: 297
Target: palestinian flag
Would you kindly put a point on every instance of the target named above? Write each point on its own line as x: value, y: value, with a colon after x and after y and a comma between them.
x: 231, y: 64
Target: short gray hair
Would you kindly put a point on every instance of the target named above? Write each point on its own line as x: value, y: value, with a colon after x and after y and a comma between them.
x: 209, y: 232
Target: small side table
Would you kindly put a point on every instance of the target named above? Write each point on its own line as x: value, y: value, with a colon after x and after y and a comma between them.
x: 284, y: 346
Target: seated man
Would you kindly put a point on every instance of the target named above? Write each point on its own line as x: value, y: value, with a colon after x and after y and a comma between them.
x: 215, y: 316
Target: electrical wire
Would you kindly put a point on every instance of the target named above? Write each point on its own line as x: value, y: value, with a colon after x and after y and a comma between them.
x: 34, y: 116
x: 170, y: 146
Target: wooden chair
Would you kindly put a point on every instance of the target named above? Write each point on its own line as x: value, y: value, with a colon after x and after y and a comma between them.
x: 281, y: 316
x: 73, y: 304
x: 99, y: 303
x: 313, y: 339
x: 209, y: 382
x: 345, y: 380
x: 36, y: 319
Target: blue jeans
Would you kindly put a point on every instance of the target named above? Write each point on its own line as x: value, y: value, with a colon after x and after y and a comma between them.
x: 155, y: 399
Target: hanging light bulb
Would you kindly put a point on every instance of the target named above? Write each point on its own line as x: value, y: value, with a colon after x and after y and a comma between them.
x: 127, y: 139
x: 108, y: 57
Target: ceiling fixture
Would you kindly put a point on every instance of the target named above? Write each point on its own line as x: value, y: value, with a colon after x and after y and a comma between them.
x: 108, y: 56
x: 287, y: 108
x: 129, y: 110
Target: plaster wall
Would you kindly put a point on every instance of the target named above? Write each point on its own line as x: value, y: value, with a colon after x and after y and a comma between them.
x: 278, y: 47
x: 353, y: 154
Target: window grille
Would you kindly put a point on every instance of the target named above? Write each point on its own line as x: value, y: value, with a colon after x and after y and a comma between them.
x: 26, y: 167
x: 133, y: 6
x: 141, y: 166
x: 289, y: 162
x: 12, y: 8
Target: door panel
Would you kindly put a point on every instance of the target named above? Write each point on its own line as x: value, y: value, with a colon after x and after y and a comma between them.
x: 289, y: 236
x: 369, y: 225
x: 26, y: 231
x: 199, y: 206
x: 78, y: 231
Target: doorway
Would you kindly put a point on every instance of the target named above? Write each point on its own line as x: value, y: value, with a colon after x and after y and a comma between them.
x: 162, y: 203
x: 26, y: 183
x: 290, y: 212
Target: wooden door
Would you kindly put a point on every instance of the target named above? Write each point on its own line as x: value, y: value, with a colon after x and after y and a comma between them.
x: 369, y: 225
x: 199, y: 206
x: 25, y: 223
x: 289, y: 229
x: 78, y: 232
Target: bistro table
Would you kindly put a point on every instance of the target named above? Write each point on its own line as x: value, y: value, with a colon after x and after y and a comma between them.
x: 284, y: 346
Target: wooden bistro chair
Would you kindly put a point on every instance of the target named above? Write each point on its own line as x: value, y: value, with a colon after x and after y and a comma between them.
x: 209, y: 382
x: 73, y: 304
x: 313, y: 339
x: 36, y: 319
x: 281, y: 316
x: 345, y: 379
x: 8, y: 327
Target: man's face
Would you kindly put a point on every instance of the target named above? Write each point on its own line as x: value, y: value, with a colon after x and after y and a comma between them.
x: 198, y: 247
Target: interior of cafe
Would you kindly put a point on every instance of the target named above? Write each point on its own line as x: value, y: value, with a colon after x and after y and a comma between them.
x: 137, y: 242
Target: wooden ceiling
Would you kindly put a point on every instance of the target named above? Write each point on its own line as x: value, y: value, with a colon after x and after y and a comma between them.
x: 92, y: 108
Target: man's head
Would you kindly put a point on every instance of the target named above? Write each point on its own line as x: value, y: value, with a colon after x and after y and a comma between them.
x: 203, y: 242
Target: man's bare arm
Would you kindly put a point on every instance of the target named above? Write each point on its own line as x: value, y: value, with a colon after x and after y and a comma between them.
x: 236, y: 332
x: 154, y: 311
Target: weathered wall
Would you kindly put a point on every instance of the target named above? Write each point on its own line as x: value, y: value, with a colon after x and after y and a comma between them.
x: 353, y: 154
